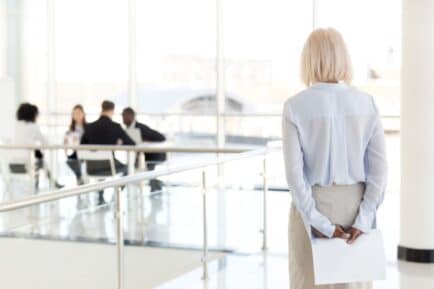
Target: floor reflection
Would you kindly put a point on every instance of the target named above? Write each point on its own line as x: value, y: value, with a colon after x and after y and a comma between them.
x: 174, y: 219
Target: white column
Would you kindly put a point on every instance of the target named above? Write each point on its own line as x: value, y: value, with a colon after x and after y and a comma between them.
x: 417, y: 133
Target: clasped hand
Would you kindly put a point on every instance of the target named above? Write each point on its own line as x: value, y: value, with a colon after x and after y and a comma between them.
x: 350, y: 235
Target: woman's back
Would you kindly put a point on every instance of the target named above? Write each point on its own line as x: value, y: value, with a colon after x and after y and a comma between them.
x: 334, y: 123
x: 334, y: 155
x: 28, y: 133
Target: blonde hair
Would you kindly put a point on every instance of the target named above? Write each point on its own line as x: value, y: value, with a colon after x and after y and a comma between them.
x: 325, y: 58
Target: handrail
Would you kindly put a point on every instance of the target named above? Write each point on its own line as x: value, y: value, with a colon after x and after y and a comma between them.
x: 134, y: 148
x: 117, y: 183
x: 122, y: 181
x: 198, y: 114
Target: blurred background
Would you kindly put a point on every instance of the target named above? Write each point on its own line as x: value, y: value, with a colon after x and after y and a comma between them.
x: 162, y: 58
x: 207, y: 74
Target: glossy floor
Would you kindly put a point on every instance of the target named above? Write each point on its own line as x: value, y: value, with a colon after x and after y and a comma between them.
x: 267, y: 271
x: 235, y: 221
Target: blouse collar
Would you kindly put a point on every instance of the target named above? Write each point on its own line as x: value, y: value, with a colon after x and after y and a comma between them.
x: 329, y: 85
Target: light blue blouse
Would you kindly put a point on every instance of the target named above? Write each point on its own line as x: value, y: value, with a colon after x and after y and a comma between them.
x: 332, y: 134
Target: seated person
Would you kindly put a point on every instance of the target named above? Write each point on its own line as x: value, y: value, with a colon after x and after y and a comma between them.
x: 73, y: 137
x: 146, y: 135
x: 28, y: 132
x: 104, y: 131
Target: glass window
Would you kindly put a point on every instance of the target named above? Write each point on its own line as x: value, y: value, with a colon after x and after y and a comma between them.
x: 263, y: 40
x: 262, y: 45
x: 176, y: 50
x: 372, y: 30
x: 28, y: 50
x: 91, y: 42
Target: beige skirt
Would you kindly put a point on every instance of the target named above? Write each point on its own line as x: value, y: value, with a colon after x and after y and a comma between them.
x: 340, y: 204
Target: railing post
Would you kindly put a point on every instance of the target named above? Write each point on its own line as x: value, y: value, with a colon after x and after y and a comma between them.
x: 264, y: 202
x: 119, y: 240
x: 50, y: 169
x: 131, y: 167
x: 205, y: 228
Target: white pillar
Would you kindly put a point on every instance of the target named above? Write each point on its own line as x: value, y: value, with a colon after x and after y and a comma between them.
x: 417, y: 133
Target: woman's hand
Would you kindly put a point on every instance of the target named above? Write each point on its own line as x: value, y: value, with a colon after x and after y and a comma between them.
x: 340, y: 233
x: 354, y: 234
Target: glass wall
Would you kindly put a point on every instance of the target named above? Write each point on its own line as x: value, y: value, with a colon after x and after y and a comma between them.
x: 27, y: 49
x: 262, y: 47
x: 262, y: 44
x: 91, y: 49
x: 173, y: 60
x: 374, y: 43
x: 176, y: 72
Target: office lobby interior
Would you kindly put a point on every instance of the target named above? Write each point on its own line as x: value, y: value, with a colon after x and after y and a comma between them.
x: 204, y: 202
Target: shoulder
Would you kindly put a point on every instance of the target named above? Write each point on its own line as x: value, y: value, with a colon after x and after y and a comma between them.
x: 89, y: 125
x: 301, y: 102
x: 360, y: 102
x: 322, y: 100
x: 356, y: 92
x: 32, y: 126
x: 305, y: 97
x: 26, y: 127
x: 140, y: 125
x: 116, y: 124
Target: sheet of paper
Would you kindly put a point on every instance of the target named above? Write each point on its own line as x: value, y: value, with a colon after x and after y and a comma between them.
x: 337, y: 262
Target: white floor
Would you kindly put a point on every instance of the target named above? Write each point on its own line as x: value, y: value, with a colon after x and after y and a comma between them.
x: 174, y: 220
x: 40, y: 264
x: 263, y: 271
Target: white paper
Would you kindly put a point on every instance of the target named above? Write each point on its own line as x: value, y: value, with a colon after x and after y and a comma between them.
x: 336, y: 262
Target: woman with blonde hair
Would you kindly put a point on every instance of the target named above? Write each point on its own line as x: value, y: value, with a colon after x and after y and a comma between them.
x: 334, y: 154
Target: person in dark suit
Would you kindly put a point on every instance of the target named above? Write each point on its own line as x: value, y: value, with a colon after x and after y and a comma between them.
x: 104, y: 131
x: 147, y: 134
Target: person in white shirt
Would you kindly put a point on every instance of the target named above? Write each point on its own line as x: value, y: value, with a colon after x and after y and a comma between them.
x: 27, y: 132
x: 73, y: 137
x: 334, y: 155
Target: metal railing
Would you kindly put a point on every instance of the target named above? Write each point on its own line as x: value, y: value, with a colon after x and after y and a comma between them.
x: 51, y: 121
x: 131, y: 148
x: 117, y: 183
x: 165, y: 147
x: 188, y: 114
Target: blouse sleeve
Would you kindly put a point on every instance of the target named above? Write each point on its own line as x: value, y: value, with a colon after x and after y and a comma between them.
x: 376, y: 178
x: 300, y: 189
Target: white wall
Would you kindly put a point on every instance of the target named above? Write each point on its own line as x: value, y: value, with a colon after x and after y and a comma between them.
x: 7, y: 109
